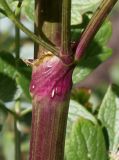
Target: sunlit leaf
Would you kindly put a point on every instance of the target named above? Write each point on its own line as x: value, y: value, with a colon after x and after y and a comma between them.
x: 86, y: 142
x: 109, y: 116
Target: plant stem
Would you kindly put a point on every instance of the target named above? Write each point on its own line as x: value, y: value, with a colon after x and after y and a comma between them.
x: 17, y: 134
x: 17, y: 31
x: 8, y: 110
x: 50, y: 93
x: 93, y: 26
x: 50, y: 87
x: 24, y: 112
x: 35, y: 38
x: 17, y: 141
x: 66, y: 20
x: 17, y: 41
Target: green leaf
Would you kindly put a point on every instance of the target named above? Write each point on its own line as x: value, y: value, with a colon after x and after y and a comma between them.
x: 76, y: 110
x: 13, y: 72
x: 79, y: 7
x: 23, y: 78
x: 7, y: 64
x: 95, y: 54
x: 109, y: 116
x: 12, y: 4
x: 7, y: 88
x: 7, y: 77
x: 28, y: 9
x: 86, y: 142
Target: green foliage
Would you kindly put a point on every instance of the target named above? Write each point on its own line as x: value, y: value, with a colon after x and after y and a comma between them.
x: 79, y: 7
x: 13, y: 73
x: 7, y: 74
x: 86, y: 138
x: 109, y: 116
x: 95, y: 54
x: 23, y: 78
x: 76, y: 110
x: 86, y: 142
x: 27, y: 8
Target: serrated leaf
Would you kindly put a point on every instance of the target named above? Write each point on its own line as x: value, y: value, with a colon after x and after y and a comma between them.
x: 95, y: 54
x: 86, y: 142
x: 109, y: 116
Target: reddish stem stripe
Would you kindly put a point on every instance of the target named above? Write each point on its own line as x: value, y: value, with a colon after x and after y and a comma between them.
x: 50, y: 87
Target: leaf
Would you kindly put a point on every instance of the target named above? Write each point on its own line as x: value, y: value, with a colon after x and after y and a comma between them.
x: 109, y: 116
x: 28, y: 9
x: 3, y: 115
x: 7, y: 64
x: 23, y: 78
x: 7, y: 88
x: 12, y: 4
x: 79, y: 7
x: 86, y: 142
x: 14, y: 72
x: 95, y: 54
x: 7, y: 77
x: 76, y: 110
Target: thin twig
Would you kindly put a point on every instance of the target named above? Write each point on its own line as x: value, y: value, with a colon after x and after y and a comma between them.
x: 3, y: 107
x: 17, y: 133
x: 24, y: 112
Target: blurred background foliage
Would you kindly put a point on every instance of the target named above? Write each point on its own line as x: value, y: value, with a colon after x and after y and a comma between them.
x: 15, y: 100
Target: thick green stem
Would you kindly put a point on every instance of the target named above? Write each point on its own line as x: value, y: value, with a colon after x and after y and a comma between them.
x: 93, y: 26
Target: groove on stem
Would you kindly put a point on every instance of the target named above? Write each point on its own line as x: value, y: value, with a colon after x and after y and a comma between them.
x: 66, y: 20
